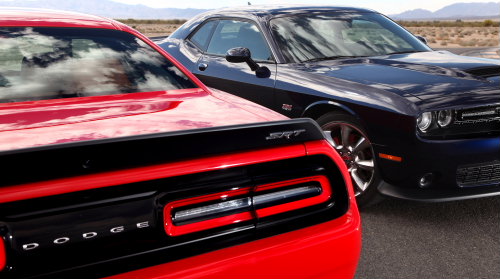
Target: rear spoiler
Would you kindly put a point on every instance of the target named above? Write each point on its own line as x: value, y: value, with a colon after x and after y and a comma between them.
x: 94, y: 156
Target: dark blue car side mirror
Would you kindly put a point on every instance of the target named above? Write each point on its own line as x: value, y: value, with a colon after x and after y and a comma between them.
x: 422, y: 39
x: 242, y: 54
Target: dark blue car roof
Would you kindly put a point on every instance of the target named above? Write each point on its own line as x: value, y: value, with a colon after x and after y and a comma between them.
x: 274, y: 10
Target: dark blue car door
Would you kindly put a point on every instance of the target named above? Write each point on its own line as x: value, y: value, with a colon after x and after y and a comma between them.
x: 236, y: 78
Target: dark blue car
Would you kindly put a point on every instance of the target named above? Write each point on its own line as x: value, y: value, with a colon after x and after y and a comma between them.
x: 409, y: 122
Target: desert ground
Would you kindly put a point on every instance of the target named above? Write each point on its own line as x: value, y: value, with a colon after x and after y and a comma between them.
x: 451, y: 37
x: 437, y: 36
x: 155, y: 29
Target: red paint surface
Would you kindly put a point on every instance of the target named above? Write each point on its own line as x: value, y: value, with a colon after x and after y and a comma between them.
x: 3, y: 259
x: 67, y: 111
x: 329, y: 250
x: 174, y: 230
x: 30, y: 124
x: 49, y: 18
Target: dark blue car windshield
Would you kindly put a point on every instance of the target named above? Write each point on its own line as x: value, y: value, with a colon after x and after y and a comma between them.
x: 308, y: 37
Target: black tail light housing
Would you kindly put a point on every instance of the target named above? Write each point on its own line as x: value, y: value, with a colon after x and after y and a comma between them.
x: 244, y: 204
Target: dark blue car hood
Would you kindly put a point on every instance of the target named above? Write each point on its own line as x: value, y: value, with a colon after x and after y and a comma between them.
x: 430, y: 79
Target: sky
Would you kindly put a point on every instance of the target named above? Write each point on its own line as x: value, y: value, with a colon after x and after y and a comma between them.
x: 383, y: 6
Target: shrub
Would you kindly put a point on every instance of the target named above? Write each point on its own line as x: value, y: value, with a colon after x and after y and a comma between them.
x: 488, y: 23
x: 151, y: 21
x: 457, y: 23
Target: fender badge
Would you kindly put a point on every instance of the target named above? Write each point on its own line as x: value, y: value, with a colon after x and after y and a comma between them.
x: 287, y: 107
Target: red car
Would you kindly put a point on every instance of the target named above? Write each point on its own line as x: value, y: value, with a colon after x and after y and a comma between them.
x: 116, y: 161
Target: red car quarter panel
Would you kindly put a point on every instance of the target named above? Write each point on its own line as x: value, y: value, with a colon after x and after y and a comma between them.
x: 314, y: 252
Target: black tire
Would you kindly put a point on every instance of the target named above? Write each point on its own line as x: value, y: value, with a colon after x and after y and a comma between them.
x: 349, y: 138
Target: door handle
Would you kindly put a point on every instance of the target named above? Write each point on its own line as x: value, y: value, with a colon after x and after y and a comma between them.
x: 202, y: 66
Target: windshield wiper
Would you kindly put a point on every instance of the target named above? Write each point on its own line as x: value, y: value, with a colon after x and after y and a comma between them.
x: 329, y: 58
x: 406, y: 51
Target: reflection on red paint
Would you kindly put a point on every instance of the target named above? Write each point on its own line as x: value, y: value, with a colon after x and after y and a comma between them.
x: 99, y: 117
x: 27, y: 115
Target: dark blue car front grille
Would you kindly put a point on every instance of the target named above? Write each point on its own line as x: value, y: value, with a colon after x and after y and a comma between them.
x: 478, y: 175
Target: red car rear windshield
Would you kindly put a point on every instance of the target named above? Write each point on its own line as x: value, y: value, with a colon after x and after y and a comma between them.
x: 52, y: 63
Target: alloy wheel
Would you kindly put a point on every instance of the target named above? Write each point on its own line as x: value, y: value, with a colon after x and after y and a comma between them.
x: 356, y: 151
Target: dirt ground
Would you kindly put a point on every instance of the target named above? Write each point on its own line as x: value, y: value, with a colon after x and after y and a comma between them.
x: 437, y: 37
x: 155, y: 30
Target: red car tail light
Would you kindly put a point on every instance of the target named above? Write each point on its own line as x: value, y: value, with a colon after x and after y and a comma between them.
x: 230, y: 207
x: 303, y: 193
x: 3, y: 257
x: 207, y: 212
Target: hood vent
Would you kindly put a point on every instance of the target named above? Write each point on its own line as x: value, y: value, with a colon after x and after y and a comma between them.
x: 484, y: 72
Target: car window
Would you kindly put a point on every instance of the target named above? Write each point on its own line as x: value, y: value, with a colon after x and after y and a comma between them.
x: 370, y: 32
x: 202, y: 35
x: 308, y: 37
x: 235, y: 33
x: 52, y: 63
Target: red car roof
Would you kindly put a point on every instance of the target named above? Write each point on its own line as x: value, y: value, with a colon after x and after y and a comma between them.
x: 52, y: 18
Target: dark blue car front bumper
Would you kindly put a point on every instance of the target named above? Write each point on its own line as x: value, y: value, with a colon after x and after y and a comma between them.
x: 453, y: 170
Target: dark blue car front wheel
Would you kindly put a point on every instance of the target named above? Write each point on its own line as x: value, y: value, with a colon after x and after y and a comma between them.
x: 346, y: 135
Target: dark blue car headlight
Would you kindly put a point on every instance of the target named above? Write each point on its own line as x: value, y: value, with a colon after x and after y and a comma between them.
x: 456, y: 123
x: 424, y: 121
x: 444, y: 118
x: 433, y: 121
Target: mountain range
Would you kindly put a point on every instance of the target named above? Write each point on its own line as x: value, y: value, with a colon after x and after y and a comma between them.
x: 107, y: 8
x: 454, y: 11
x: 113, y: 9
